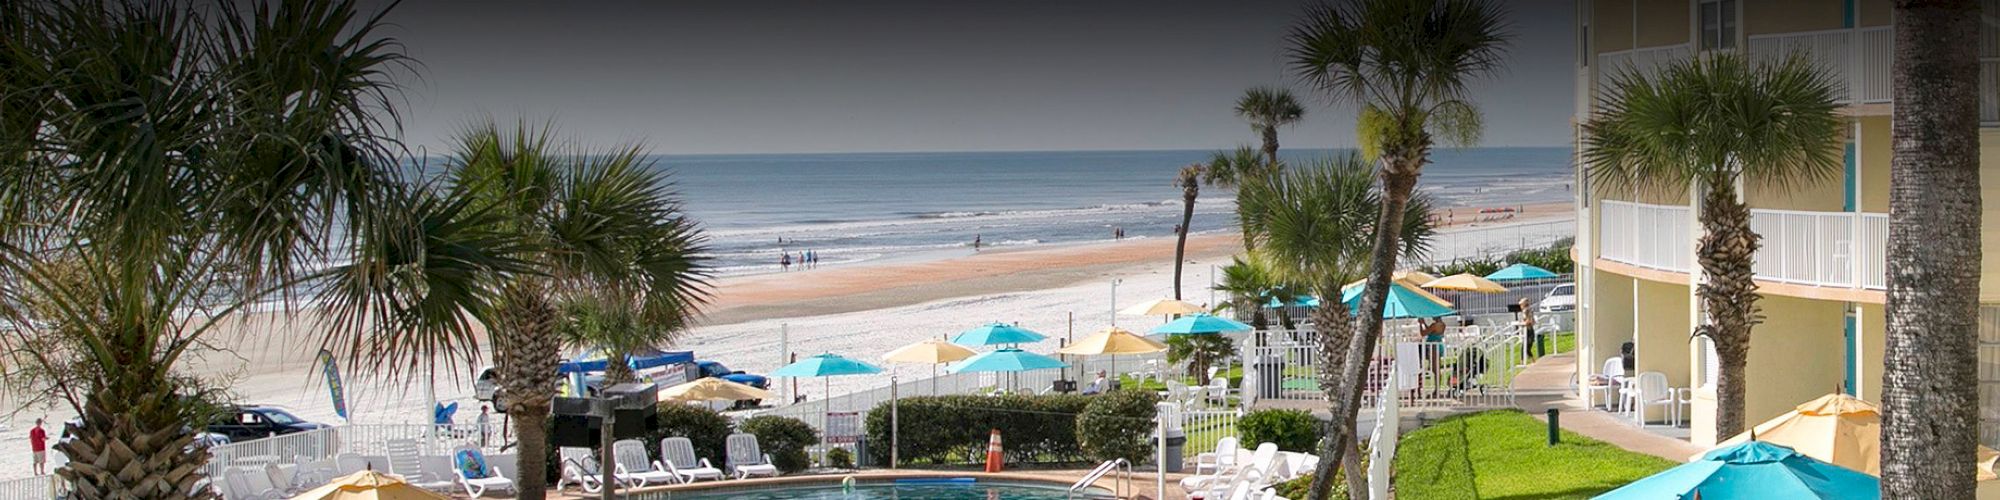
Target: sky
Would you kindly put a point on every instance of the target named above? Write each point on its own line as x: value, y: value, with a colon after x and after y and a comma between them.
x: 758, y: 76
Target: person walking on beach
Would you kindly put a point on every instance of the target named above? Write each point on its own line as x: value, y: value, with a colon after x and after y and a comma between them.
x: 38, y: 447
x: 785, y: 261
x: 1533, y: 347
x: 975, y: 243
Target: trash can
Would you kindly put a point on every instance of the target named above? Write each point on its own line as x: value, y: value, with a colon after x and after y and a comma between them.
x: 1176, y: 444
x: 1270, y: 376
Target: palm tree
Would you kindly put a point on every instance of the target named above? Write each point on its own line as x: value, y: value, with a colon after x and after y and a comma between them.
x: 1267, y: 109
x: 1189, y: 180
x: 1247, y: 281
x: 1405, y: 64
x: 1709, y: 123
x: 1929, y: 422
x: 1233, y: 169
x: 161, y: 166
x: 612, y: 258
x: 1317, y: 233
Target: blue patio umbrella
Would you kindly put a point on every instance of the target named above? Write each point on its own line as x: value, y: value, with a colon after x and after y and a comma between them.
x: 1401, y: 303
x: 825, y: 366
x: 1007, y: 360
x: 1202, y: 324
x: 996, y: 333
x: 443, y: 413
x: 1519, y: 272
x: 1299, y: 301
x: 1752, y: 470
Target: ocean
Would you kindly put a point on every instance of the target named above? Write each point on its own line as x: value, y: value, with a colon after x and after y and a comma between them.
x: 861, y: 207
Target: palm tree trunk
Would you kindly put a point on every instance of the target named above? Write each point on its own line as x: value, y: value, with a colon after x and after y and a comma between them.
x: 1331, y: 320
x: 1729, y: 296
x: 131, y: 441
x: 1180, y: 245
x: 1399, y: 182
x: 1270, y: 144
x: 527, y: 351
x: 1930, y: 422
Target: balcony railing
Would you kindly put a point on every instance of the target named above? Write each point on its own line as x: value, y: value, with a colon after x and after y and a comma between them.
x: 1858, y: 58
x: 1644, y: 61
x: 1830, y: 249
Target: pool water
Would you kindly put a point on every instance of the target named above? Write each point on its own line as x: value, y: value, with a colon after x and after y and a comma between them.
x: 946, y: 489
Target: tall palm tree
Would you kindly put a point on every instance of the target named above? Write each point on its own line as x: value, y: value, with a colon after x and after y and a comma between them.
x: 1267, y: 109
x: 1232, y: 169
x: 1405, y: 64
x: 1709, y: 123
x: 186, y: 162
x: 611, y: 259
x: 1317, y: 233
x: 1929, y: 422
x: 1189, y: 180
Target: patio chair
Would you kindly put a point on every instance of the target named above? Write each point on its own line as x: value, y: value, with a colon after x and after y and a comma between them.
x: 475, y: 475
x: 237, y: 482
x: 1609, y: 380
x: 1651, y: 389
x: 635, y: 467
x: 1215, y: 462
x: 579, y: 468
x: 1251, y: 477
x: 349, y: 463
x: 285, y: 483
x: 1218, y: 390
x: 747, y: 459
x: 678, y: 454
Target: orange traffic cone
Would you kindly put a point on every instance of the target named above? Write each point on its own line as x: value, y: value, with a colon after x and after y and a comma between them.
x: 994, y: 460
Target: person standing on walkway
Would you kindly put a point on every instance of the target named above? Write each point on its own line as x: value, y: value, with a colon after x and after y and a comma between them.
x: 485, y: 424
x: 38, y: 446
x: 1532, y: 345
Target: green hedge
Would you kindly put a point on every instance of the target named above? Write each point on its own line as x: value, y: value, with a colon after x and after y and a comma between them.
x: 707, y: 430
x: 785, y: 439
x: 952, y: 430
x: 1291, y: 430
x: 1118, y: 424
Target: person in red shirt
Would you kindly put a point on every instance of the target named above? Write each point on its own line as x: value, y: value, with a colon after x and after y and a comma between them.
x: 38, y: 442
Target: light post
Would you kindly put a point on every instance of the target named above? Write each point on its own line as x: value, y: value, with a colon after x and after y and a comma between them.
x: 1114, y: 301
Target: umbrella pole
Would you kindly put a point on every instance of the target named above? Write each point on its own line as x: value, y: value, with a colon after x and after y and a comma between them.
x: 825, y: 414
x: 933, y: 379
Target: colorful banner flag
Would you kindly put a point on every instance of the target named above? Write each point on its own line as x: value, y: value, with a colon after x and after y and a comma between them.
x: 333, y: 386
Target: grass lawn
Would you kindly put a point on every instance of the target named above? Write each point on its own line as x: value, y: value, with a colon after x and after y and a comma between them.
x: 1504, y: 454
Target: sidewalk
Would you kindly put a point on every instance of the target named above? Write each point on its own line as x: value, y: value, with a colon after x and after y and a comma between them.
x: 1546, y: 384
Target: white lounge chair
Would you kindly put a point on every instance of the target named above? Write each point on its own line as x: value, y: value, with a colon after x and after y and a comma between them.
x: 406, y: 460
x: 636, y: 467
x: 237, y: 482
x: 475, y: 474
x: 678, y: 454
x: 578, y: 467
x: 1249, y: 478
x: 747, y: 459
x: 1222, y: 459
x: 349, y: 463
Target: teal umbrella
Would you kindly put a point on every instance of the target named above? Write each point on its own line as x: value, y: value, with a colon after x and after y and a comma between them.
x: 1202, y: 324
x: 1401, y: 303
x: 1300, y: 301
x: 996, y: 333
x: 1007, y: 360
x: 1752, y: 470
x: 1519, y: 272
x: 825, y: 365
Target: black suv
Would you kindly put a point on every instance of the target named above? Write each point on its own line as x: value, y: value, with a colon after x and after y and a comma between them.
x: 245, y: 423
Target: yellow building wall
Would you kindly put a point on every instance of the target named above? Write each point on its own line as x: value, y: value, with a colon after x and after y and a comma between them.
x: 1874, y: 344
x: 1796, y: 355
x: 1989, y: 236
x: 1611, y: 304
x: 1823, y: 196
x: 1661, y: 325
x: 1874, y: 12
x: 1663, y: 22
x: 1788, y: 16
x: 1611, y: 25
x: 1875, y: 149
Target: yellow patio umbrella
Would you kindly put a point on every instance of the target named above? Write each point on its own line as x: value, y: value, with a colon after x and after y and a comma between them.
x: 1113, y: 341
x: 932, y: 352
x: 1414, y: 275
x: 369, y: 485
x: 712, y: 389
x: 1839, y: 429
x: 1161, y: 307
x: 1465, y: 282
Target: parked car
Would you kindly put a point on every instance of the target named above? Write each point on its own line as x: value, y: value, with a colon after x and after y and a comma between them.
x: 1562, y: 298
x: 245, y: 423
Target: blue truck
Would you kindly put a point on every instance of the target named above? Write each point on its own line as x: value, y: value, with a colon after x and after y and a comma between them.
x: 665, y: 368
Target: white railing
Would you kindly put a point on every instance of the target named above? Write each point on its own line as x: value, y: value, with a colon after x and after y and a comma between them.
x: 1473, y: 367
x: 1989, y: 91
x: 1820, y: 248
x: 1382, y: 444
x: 33, y: 488
x: 1645, y: 235
x: 1875, y: 53
x: 1874, y: 251
x: 368, y: 440
x: 1827, y: 49
x: 1206, y: 426
x: 1038, y: 381
x: 1644, y: 61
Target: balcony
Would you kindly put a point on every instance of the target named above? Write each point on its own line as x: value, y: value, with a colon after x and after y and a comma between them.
x: 1820, y: 249
x: 1858, y: 58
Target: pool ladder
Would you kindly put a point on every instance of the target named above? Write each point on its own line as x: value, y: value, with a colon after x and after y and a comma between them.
x: 1109, y: 466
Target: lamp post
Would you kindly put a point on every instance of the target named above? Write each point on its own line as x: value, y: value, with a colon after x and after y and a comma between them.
x: 1114, y: 301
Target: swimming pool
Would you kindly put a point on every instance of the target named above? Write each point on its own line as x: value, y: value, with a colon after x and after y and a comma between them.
x: 902, y: 489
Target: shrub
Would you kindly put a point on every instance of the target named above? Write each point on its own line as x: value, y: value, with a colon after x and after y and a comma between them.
x: 1296, y: 488
x: 785, y: 439
x: 706, y: 429
x: 1201, y: 350
x: 1291, y: 430
x: 954, y: 429
x: 839, y: 458
x: 1118, y: 424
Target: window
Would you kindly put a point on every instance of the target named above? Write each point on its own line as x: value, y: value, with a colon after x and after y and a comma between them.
x: 1718, y: 24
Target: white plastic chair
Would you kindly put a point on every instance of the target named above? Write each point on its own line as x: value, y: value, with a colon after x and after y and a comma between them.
x: 579, y: 468
x: 747, y: 459
x: 1248, y: 478
x: 406, y: 460
x: 636, y: 468
x: 1218, y: 390
x: 237, y: 481
x: 1609, y: 380
x: 1222, y: 459
x: 1651, y: 389
x: 678, y: 454
x: 476, y: 486
x: 349, y: 463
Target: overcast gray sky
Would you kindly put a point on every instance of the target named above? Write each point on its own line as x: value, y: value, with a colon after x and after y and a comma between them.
x: 909, y: 75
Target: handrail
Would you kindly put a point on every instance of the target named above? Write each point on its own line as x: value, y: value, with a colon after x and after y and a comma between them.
x: 1098, y: 473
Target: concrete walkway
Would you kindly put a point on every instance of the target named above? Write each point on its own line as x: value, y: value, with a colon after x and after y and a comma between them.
x: 1546, y: 384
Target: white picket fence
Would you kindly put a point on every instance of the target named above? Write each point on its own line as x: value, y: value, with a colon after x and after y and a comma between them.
x: 33, y: 488
x: 1039, y: 381
x: 1473, y: 367
x: 1382, y: 444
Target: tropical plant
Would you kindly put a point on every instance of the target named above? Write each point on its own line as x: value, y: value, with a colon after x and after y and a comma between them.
x: 1292, y: 430
x: 1189, y: 180
x: 1200, y: 351
x: 1930, y: 418
x: 1318, y: 226
x: 1247, y: 281
x: 785, y: 439
x: 1710, y: 123
x: 1233, y: 169
x: 708, y: 431
x: 1405, y: 64
x: 185, y: 161
x: 1267, y: 109
x: 1117, y: 424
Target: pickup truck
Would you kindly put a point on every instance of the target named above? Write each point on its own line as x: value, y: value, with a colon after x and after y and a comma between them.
x: 487, y: 386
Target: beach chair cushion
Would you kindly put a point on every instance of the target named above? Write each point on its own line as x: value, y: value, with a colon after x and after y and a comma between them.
x: 472, y: 464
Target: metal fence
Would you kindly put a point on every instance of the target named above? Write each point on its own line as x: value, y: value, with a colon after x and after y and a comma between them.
x: 1473, y: 367
x: 1040, y: 381
x: 33, y: 488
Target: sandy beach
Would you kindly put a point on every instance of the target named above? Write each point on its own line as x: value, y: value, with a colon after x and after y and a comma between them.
x: 859, y: 311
